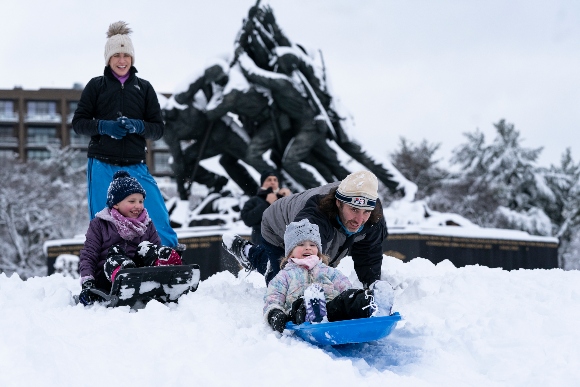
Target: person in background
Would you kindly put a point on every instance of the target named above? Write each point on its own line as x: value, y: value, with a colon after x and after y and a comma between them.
x: 120, y: 111
x: 307, y: 289
x: 119, y: 231
x: 253, y: 209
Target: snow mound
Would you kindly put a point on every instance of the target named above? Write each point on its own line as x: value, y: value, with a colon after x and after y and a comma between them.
x: 473, y: 325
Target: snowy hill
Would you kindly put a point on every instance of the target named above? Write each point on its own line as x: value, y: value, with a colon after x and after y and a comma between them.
x: 471, y: 326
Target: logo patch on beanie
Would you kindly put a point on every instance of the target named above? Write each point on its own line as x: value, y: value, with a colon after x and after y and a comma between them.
x: 356, y: 201
x: 359, y: 201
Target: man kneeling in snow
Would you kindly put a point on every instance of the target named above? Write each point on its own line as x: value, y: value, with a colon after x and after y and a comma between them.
x: 348, y: 214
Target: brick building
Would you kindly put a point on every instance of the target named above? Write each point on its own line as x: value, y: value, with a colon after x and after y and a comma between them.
x: 32, y: 119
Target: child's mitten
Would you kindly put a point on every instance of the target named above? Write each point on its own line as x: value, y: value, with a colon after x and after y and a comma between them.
x: 147, y: 253
x: 167, y: 256
x: 277, y: 320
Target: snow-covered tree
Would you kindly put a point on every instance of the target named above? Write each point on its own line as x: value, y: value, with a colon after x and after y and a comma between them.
x: 417, y: 163
x: 498, y: 184
x: 570, y: 255
x: 564, y: 210
x: 457, y: 195
x: 39, y: 201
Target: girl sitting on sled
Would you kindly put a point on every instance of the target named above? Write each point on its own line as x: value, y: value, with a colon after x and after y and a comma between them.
x: 307, y: 289
x: 121, y: 230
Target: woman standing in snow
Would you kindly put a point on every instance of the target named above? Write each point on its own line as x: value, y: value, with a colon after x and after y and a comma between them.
x: 120, y: 112
x: 121, y: 230
x: 300, y: 291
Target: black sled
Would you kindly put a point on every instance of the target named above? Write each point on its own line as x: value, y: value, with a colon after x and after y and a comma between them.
x: 136, y: 287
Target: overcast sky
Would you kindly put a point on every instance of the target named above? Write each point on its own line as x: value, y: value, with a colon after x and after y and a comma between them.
x: 418, y: 69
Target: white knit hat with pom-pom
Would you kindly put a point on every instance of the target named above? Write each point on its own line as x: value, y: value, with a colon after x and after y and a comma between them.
x: 119, y: 42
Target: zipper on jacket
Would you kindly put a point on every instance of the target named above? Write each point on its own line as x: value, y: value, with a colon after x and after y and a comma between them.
x: 123, y: 156
x: 122, y: 97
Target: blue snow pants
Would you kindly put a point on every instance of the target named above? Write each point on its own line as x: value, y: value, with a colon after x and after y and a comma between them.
x: 100, y: 175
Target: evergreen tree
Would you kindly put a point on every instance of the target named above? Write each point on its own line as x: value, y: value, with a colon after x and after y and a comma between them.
x: 498, y: 185
x: 564, y: 210
x: 417, y: 163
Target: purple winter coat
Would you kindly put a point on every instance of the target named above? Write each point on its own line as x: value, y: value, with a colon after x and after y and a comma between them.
x: 101, y: 235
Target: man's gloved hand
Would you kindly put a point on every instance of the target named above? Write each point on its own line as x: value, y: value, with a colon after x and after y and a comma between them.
x: 87, y: 297
x: 132, y: 125
x: 277, y: 320
x: 112, y: 128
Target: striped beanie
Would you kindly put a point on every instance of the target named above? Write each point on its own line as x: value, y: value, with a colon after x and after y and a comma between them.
x: 360, y: 190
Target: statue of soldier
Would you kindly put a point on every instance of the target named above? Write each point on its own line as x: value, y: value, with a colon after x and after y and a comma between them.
x: 268, y: 127
x: 252, y: 106
x: 289, y: 98
x: 212, y: 137
x: 292, y: 59
x: 185, y: 124
x: 259, y: 35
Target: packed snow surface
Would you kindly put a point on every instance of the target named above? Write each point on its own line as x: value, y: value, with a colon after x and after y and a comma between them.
x: 471, y: 326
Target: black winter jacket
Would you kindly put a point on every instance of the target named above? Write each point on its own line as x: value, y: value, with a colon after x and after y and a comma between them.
x: 252, y: 213
x: 105, y: 98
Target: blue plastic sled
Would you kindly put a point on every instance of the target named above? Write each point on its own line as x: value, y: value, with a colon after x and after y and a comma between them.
x: 346, y: 332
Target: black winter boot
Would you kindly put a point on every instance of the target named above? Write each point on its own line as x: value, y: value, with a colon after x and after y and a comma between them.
x: 116, y: 257
x: 236, y: 246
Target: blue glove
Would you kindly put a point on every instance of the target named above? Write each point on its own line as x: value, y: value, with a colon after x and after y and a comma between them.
x: 132, y: 125
x: 87, y: 297
x: 112, y: 128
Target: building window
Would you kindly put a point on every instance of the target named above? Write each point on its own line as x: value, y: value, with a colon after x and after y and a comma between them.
x: 6, y: 106
x: 37, y: 154
x: 42, y: 111
x: 41, y: 107
x: 161, y: 162
x: 78, y: 140
x: 8, y: 136
x: 7, y: 113
x: 42, y: 136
